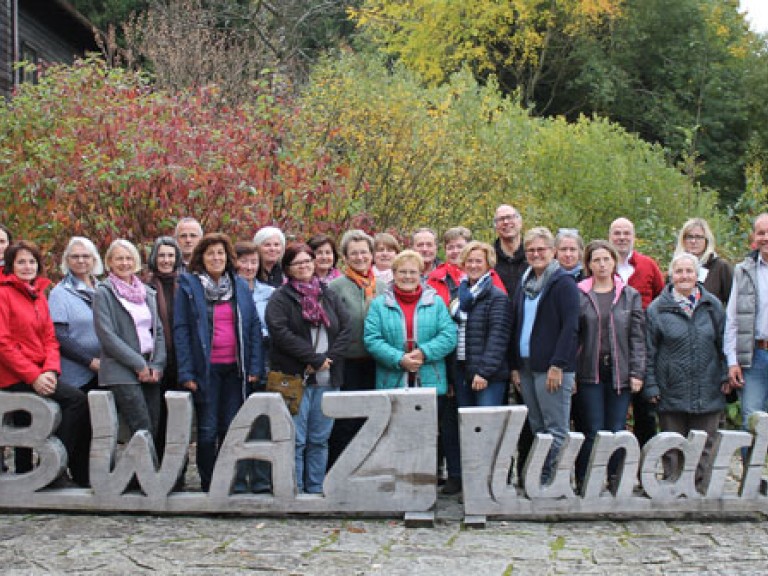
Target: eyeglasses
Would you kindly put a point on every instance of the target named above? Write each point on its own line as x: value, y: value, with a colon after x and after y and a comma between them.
x: 507, y: 218
x: 537, y: 250
x: 80, y: 256
x: 301, y: 263
x: 696, y: 237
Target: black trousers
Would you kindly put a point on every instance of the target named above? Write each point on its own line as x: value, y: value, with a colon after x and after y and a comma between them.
x: 74, y: 430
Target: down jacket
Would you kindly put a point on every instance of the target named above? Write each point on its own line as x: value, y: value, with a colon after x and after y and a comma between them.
x: 686, y: 365
x: 28, y: 345
x: 627, y: 335
x: 385, y: 335
x: 487, y: 333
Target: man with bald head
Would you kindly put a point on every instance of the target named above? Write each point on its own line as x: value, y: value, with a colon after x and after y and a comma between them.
x: 746, y: 326
x: 639, y: 271
x: 643, y: 274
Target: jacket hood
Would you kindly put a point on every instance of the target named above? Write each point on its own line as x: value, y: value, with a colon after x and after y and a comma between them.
x: 40, y: 283
x: 446, y: 269
x: 618, y: 286
x: 428, y: 295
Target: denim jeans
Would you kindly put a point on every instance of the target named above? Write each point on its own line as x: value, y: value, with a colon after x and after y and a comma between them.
x: 139, y: 405
x: 313, y: 428
x: 217, y: 405
x: 754, y: 394
x: 492, y: 395
x: 548, y: 412
x: 598, y: 407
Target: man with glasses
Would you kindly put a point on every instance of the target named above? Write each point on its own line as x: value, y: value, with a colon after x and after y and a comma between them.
x: 510, y: 265
x: 510, y: 256
x: 643, y: 274
x: 188, y: 235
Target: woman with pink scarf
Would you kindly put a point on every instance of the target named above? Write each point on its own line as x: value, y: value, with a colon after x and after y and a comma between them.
x: 132, y: 341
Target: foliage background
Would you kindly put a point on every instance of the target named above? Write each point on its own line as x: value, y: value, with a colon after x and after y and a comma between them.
x: 387, y: 114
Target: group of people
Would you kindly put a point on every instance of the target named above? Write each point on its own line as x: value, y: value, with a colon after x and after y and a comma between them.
x: 577, y: 333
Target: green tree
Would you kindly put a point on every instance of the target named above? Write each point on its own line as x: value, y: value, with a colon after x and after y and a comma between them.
x: 103, y: 13
x: 449, y: 154
x: 674, y: 73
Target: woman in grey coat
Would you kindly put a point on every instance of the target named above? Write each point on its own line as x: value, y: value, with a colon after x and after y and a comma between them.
x: 611, y: 357
x: 132, y: 340
x: 687, y: 375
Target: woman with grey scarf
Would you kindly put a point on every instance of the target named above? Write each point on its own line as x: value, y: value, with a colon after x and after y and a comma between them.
x: 217, y: 337
x: 544, y: 341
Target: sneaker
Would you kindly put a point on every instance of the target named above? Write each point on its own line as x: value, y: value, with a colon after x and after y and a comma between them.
x: 452, y: 486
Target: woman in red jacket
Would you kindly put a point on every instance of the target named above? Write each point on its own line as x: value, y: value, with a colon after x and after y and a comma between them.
x: 29, y: 356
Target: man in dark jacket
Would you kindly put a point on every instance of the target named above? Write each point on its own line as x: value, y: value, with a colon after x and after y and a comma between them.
x: 510, y: 265
x: 510, y: 256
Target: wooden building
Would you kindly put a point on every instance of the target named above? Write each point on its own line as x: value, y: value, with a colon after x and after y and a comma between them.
x: 39, y: 31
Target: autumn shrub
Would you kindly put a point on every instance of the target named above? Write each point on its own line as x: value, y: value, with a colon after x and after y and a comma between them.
x: 98, y: 152
x: 448, y: 155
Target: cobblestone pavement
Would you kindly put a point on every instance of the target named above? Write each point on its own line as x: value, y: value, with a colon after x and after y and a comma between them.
x: 125, y: 544
x: 57, y: 543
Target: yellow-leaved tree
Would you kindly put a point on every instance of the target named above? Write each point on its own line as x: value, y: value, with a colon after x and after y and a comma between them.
x: 520, y: 42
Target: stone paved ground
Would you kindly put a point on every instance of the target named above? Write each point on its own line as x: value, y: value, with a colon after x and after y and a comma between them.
x: 123, y: 544
x: 36, y: 544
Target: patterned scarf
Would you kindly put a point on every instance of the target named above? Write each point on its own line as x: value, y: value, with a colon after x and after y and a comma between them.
x: 468, y: 294
x: 311, y: 309
x: 134, y: 292
x: 687, y: 303
x: 367, y: 282
x: 533, y: 286
x: 220, y: 291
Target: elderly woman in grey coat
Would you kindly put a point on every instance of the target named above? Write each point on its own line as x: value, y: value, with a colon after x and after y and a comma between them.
x: 687, y: 375
x: 132, y: 340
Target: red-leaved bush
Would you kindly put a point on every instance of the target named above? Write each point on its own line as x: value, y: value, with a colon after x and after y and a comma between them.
x: 97, y: 152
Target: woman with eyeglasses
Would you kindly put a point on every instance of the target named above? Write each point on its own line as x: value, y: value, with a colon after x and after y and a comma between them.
x: 409, y: 331
x: 71, y: 304
x: 715, y: 273
x: 544, y: 340
x: 569, y: 249
x: 309, y: 331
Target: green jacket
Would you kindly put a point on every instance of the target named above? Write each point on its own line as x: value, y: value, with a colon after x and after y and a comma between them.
x: 385, y: 339
x: 353, y: 300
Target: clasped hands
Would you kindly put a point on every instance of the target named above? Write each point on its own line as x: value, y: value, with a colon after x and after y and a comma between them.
x: 149, y: 375
x: 412, y: 361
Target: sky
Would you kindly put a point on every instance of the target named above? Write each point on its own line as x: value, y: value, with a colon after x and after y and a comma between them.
x: 757, y: 14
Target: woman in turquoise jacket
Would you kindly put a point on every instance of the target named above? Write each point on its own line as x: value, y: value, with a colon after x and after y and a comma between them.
x: 409, y: 331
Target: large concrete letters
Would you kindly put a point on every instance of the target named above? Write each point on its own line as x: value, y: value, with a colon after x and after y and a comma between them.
x: 388, y: 468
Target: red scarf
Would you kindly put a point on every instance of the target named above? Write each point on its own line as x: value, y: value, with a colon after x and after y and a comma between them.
x: 408, y: 302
